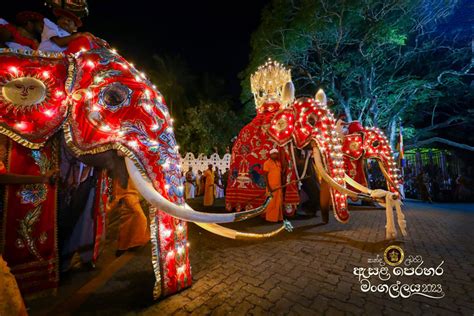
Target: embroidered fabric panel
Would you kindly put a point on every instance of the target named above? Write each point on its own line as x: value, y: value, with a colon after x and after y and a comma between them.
x: 29, y: 220
x: 32, y: 97
x: 246, y: 185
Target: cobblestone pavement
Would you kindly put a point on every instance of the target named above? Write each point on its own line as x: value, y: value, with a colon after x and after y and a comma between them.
x: 306, y: 272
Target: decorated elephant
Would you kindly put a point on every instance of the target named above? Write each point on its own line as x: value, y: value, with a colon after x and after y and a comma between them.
x: 288, y: 125
x: 108, y: 115
x: 306, y: 125
x: 362, y: 143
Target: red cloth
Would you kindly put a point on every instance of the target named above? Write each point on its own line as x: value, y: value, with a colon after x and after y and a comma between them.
x: 355, y: 126
x: 29, y: 220
x: 100, y: 207
x: 84, y: 43
x: 366, y: 143
x: 246, y: 184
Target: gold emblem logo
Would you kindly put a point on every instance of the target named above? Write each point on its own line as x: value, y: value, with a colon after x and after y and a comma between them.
x: 354, y: 146
x: 24, y: 92
x: 281, y: 124
x: 393, y: 255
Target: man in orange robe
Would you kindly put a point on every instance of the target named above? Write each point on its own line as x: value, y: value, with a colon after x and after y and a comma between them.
x: 208, y: 186
x: 133, y: 230
x: 272, y: 172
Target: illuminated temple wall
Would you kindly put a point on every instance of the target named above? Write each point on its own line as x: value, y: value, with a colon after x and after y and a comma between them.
x: 202, y: 161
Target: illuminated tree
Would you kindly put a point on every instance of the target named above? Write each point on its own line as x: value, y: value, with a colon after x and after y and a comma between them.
x: 380, y: 60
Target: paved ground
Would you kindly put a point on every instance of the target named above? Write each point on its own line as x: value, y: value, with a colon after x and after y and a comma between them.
x: 306, y: 272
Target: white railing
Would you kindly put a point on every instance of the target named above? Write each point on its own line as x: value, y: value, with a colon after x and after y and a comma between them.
x: 202, y: 162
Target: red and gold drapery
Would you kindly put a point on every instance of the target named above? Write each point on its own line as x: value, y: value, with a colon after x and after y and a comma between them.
x: 28, y: 221
x: 246, y: 184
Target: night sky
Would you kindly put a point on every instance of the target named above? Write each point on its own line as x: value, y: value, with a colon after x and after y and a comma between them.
x: 210, y: 37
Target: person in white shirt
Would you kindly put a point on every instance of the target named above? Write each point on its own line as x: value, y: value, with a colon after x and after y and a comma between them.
x: 57, y: 37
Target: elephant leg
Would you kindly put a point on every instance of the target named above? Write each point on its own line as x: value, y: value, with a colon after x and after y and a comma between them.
x: 325, y: 201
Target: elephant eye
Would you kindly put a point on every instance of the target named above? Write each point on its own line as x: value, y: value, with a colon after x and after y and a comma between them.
x: 114, y: 96
x: 312, y: 120
x: 375, y: 143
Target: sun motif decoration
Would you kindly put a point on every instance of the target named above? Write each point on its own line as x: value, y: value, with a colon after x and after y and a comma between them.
x: 25, y: 92
x: 32, y: 96
x: 267, y: 83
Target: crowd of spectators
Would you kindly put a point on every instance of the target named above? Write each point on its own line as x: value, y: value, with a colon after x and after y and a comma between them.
x: 430, y: 184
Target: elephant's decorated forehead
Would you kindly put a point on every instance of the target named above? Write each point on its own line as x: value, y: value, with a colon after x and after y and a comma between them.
x: 116, y: 107
x: 32, y: 96
x: 313, y: 121
x: 376, y: 143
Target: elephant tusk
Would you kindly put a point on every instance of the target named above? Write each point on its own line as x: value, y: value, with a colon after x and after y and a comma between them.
x: 356, y: 185
x: 184, y: 212
x: 234, y: 234
x: 322, y: 172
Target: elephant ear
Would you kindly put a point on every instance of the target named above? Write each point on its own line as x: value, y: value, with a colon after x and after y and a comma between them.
x: 352, y: 146
x: 282, y: 126
x: 32, y: 96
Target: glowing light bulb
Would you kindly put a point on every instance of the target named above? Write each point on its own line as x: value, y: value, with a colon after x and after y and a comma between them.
x: 14, y: 70
x: 181, y: 269
x: 46, y: 74
x: 20, y: 125
x: 133, y: 144
x: 105, y: 128
x: 90, y: 63
x: 48, y: 113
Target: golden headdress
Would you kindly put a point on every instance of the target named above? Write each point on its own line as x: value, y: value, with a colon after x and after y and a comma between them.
x: 268, y: 82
